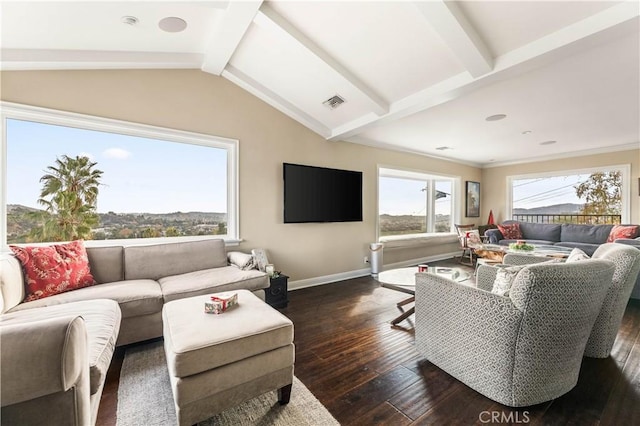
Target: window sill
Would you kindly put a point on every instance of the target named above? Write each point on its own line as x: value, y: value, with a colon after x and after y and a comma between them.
x: 416, y: 240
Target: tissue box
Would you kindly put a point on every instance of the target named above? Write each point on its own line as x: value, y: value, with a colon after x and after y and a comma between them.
x: 220, y: 302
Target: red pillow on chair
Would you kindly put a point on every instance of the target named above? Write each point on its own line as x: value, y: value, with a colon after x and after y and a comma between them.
x: 511, y: 231
x: 54, y: 269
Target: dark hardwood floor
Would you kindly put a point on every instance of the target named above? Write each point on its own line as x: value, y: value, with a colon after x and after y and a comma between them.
x: 367, y: 372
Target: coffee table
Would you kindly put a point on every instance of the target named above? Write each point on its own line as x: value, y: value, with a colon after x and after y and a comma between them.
x: 496, y: 252
x: 404, y: 280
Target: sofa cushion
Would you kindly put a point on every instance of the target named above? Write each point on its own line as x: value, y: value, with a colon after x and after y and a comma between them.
x: 106, y: 263
x: 54, y: 269
x: 592, y: 234
x: 622, y: 231
x: 135, y: 297
x: 102, y: 322
x: 510, y: 231
x: 585, y: 247
x: 163, y: 260
x: 214, y: 280
x: 540, y: 231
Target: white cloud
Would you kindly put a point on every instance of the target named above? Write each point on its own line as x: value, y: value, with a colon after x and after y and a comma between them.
x: 116, y: 153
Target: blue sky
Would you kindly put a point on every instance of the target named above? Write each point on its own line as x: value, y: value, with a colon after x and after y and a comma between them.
x: 540, y: 192
x: 140, y: 174
x: 405, y: 197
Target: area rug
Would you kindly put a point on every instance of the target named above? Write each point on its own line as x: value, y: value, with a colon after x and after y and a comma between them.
x: 145, y: 398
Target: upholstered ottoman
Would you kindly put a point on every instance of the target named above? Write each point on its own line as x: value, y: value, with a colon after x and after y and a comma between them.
x: 218, y: 361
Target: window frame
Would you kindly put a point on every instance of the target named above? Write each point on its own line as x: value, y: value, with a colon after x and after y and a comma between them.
x: 420, y: 175
x: 9, y: 110
x: 625, y: 191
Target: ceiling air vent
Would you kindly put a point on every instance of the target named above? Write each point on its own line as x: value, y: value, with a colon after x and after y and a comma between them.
x: 333, y: 102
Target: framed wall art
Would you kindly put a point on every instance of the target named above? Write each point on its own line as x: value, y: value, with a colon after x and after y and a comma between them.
x: 472, y: 199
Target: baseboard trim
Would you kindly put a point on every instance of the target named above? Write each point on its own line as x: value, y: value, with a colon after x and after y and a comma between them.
x: 328, y: 279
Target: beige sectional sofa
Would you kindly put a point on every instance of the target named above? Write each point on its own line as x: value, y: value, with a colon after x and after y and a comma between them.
x: 77, y: 331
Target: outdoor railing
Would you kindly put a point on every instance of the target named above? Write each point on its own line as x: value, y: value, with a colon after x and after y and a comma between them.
x: 588, y: 219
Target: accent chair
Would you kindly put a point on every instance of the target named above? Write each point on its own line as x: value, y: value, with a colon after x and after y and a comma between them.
x: 627, y: 263
x: 521, y: 349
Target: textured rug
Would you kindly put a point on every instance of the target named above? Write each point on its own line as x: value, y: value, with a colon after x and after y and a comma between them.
x: 145, y: 398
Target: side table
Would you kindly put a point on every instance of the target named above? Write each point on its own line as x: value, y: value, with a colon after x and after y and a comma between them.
x: 276, y: 295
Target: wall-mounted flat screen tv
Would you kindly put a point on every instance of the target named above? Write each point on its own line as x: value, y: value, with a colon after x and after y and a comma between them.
x: 318, y: 194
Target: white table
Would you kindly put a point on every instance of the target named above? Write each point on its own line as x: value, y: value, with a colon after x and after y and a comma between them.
x: 404, y: 280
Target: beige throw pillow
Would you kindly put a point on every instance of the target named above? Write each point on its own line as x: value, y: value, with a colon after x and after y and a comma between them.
x: 507, y: 275
x: 243, y: 261
x: 577, y: 255
x: 504, y: 279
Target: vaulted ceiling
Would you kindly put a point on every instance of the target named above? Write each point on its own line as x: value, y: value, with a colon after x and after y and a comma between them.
x: 415, y: 76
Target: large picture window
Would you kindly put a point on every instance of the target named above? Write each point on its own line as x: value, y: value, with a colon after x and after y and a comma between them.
x: 70, y: 176
x: 414, y: 203
x: 589, y: 196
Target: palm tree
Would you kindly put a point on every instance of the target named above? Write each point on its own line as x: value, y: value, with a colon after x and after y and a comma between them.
x: 69, y: 194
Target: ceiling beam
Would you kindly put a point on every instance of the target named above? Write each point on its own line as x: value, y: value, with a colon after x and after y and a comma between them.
x: 227, y: 34
x: 269, y: 96
x: 458, y: 34
x: 378, y: 105
x: 60, y: 59
x: 614, y: 22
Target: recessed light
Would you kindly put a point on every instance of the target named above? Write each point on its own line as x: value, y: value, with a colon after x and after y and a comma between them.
x: 526, y: 132
x: 496, y: 117
x: 548, y: 143
x: 172, y: 24
x: 129, y: 20
x: 443, y: 148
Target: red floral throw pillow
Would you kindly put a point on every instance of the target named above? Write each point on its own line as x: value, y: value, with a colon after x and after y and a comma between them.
x: 622, y: 231
x: 511, y: 231
x: 54, y: 269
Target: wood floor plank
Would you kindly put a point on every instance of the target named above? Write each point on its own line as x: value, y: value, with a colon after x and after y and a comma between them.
x: 354, y: 405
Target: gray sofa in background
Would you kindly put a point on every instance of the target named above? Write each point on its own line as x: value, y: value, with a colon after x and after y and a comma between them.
x: 56, y: 351
x: 585, y: 237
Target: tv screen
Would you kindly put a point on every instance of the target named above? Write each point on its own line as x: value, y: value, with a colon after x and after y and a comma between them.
x: 318, y: 194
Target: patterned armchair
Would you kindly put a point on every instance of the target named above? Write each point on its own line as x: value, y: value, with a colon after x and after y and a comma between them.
x: 627, y: 263
x: 518, y: 350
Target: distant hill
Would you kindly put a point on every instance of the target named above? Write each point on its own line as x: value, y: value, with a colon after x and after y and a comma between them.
x: 20, y: 222
x: 18, y: 208
x: 566, y: 208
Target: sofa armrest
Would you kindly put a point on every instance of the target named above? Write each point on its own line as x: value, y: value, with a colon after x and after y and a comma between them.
x: 42, y: 357
x: 494, y: 236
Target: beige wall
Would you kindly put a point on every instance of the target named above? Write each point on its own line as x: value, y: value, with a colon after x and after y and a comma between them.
x: 494, y: 188
x: 198, y: 102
